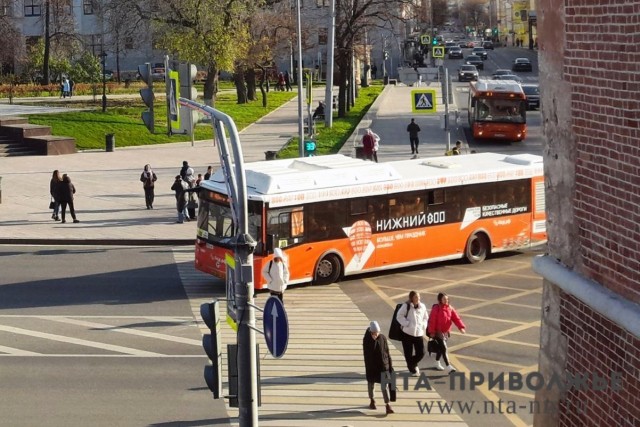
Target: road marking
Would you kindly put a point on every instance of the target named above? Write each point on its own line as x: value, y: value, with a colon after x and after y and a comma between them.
x: 498, y: 300
x: 129, y: 331
x: 77, y: 341
x: 16, y: 352
x: 489, y: 361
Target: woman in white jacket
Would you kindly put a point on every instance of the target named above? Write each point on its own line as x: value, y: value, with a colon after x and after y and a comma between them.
x: 276, y: 273
x: 413, y: 318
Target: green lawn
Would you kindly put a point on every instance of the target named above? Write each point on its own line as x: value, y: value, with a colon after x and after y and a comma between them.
x: 123, y: 120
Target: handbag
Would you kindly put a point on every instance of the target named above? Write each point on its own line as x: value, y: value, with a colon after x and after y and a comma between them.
x: 395, y: 330
x: 392, y: 392
x: 192, y: 204
x: 432, y: 346
x: 52, y: 204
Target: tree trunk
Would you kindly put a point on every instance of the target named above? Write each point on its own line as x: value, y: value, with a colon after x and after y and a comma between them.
x: 250, y: 77
x: 264, y: 79
x: 211, y: 85
x: 118, y: 61
x: 241, y: 87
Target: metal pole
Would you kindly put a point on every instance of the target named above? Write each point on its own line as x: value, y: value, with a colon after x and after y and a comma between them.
x: 300, y: 91
x: 446, y: 107
x: 328, y: 97
x: 167, y: 89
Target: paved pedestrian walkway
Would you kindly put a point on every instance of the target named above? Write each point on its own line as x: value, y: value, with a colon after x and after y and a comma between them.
x: 110, y: 200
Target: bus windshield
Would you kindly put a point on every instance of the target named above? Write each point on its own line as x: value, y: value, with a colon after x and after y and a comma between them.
x: 215, y: 220
x: 500, y: 110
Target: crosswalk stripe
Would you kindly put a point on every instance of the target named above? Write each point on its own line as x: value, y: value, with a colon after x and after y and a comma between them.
x: 320, y: 379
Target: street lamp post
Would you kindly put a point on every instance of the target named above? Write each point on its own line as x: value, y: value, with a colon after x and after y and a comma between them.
x: 103, y: 55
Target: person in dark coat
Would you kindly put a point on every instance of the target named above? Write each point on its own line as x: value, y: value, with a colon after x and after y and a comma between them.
x: 179, y: 186
x: 54, y: 190
x: 148, y: 179
x: 377, y: 362
x: 183, y: 171
x: 413, y: 130
x: 67, y: 190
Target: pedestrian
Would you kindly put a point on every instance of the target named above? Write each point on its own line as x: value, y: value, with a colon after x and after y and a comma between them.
x: 61, y: 88
x: 319, y: 111
x: 199, y: 179
x: 457, y: 149
x: 71, y: 85
x: 287, y: 80
x: 207, y: 175
x: 368, y: 144
x: 276, y: 273
x: 413, y: 130
x: 376, y: 145
x: 374, y: 71
x: 183, y: 170
x: 179, y: 186
x: 440, y: 320
x: 192, y: 203
x: 413, y: 318
x: 54, y: 190
x: 67, y: 190
x: 66, y: 88
x: 148, y: 179
x: 281, y: 83
x: 377, y: 363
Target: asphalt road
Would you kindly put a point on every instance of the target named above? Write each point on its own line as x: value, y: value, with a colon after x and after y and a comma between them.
x: 100, y: 337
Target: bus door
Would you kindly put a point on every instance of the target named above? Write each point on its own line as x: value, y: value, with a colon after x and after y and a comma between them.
x: 285, y: 230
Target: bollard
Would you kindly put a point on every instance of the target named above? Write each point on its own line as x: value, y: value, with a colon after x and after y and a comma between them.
x: 110, y: 142
x: 359, y: 151
x: 270, y: 155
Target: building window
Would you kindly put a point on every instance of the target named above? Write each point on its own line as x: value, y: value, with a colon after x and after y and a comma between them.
x: 322, y: 36
x: 87, y: 7
x: 321, y: 3
x: 94, y: 42
x: 32, y: 8
x: 4, y: 7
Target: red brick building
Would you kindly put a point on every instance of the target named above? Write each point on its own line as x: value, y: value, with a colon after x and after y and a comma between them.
x: 590, y: 86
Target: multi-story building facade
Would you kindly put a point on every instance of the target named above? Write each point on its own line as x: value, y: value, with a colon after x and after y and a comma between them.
x: 589, y: 56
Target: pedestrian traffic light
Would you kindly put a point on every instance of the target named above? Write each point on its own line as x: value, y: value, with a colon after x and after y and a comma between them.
x: 210, y: 314
x: 309, y: 148
x: 188, y: 117
x: 386, y: 55
x: 147, y: 96
x: 434, y: 41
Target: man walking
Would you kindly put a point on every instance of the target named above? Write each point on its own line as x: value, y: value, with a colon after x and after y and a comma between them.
x: 413, y: 130
x: 377, y: 363
x: 413, y: 318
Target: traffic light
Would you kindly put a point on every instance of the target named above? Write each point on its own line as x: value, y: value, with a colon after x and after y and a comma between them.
x: 188, y: 116
x: 495, y: 31
x: 386, y: 55
x: 210, y: 314
x: 309, y: 148
x: 147, y: 96
x: 434, y: 41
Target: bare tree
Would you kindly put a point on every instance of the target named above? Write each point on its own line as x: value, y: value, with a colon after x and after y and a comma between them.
x: 474, y: 13
x: 11, y: 40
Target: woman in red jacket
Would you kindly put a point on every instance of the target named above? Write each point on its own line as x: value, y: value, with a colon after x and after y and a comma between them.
x: 439, y: 327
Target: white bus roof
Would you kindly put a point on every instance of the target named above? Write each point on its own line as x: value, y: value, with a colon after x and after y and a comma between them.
x: 498, y: 86
x: 333, y: 177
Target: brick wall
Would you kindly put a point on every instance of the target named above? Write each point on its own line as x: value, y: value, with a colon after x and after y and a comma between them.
x: 602, y: 65
x: 596, y: 345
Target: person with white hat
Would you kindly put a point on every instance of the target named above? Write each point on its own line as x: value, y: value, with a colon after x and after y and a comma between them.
x: 276, y: 273
x: 377, y: 363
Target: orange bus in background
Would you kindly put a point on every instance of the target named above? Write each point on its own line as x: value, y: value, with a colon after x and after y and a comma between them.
x: 335, y: 216
x: 497, y: 110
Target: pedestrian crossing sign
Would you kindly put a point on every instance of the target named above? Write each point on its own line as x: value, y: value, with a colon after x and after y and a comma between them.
x: 425, y: 39
x: 423, y: 101
x: 438, y: 51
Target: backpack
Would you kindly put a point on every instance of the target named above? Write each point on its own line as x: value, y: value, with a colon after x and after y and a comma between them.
x: 395, y: 330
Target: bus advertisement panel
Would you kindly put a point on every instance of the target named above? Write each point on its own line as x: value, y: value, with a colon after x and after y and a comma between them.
x: 497, y: 110
x: 335, y: 216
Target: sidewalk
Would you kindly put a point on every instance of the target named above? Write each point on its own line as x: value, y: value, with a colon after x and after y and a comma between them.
x: 110, y: 200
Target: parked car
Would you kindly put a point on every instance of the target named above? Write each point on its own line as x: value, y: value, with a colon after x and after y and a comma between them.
x: 467, y: 73
x: 157, y: 71
x: 455, y: 52
x: 481, y: 52
x: 487, y: 44
x: 521, y: 64
x: 474, y: 60
x: 108, y: 74
x: 512, y: 77
x: 501, y: 72
x: 533, y: 95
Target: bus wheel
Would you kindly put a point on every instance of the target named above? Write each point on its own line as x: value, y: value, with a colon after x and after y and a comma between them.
x: 328, y: 270
x: 477, y: 248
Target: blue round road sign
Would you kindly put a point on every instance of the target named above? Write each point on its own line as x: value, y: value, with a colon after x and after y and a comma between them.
x: 276, y: 327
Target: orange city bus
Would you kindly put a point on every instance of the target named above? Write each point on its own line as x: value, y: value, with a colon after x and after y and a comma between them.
x: 335, y: 216
x: 497, y: 110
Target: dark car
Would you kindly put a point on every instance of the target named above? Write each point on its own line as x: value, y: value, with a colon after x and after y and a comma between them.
x: 455, y: 52
x: 463, y: 44
x: 467, y: 73
x: 448, y: 46
x: 481, y: 52
x: 521, y: 64
x: 474, y: 60
x: 487, y: 44
x: 533, y: 95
